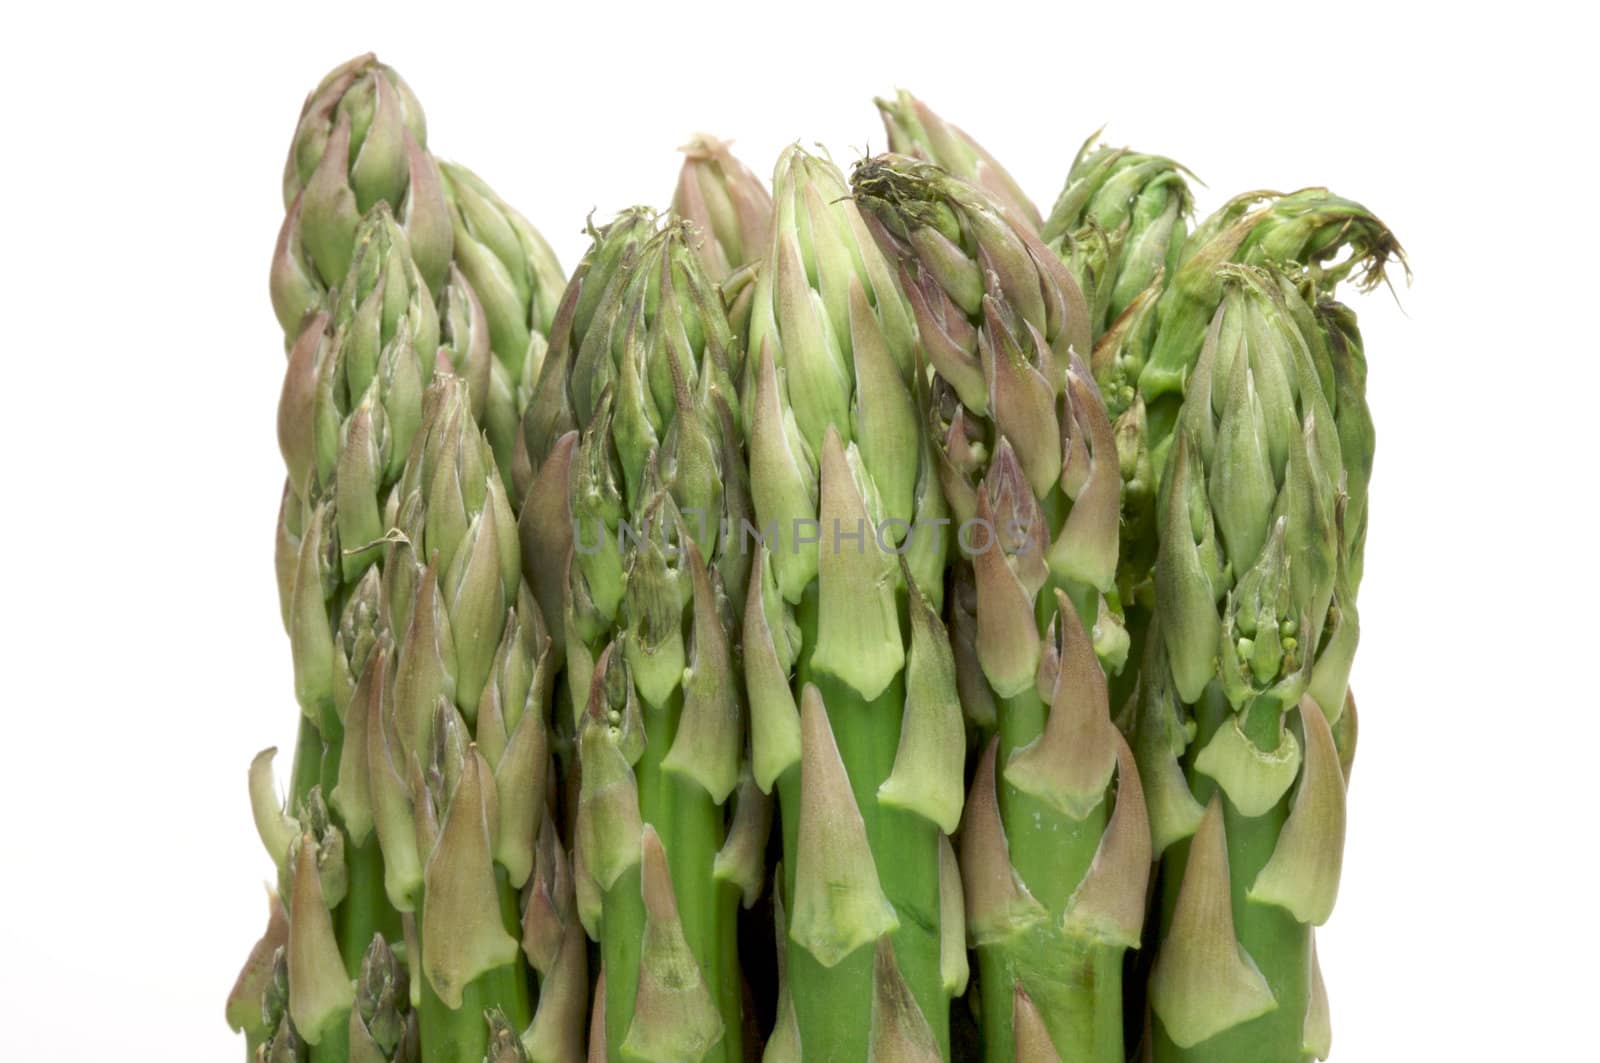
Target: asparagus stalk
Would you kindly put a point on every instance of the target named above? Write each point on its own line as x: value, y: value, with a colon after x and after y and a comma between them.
x: 1054, y: 836
x: 361, y: 291
x: 457, y: 746
x: 854, y: 715
x: 731, y: 211
x: 654, y: 494
x: 351, y: 403
x: 1120, y: 224
x: 1257, y: 627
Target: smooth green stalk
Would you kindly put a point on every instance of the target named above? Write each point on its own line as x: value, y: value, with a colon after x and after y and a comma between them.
x: 461, y: 1035
x: 621, y: 930
x: 366, y: 910
x: 692, y: 830
x: 334, y: 1046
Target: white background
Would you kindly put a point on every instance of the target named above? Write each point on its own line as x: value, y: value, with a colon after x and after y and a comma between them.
x: 143, y: 659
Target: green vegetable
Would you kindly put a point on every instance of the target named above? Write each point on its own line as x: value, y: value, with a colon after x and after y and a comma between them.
x: 1329, y: 237
x: 728, y: 205
x: 853, y: 496
x: 655, y: 498
x: 1255, y: 608
x: 853, y: 709
x: 1054, y: 845
x: 506, y: 281
x: 419, y: 733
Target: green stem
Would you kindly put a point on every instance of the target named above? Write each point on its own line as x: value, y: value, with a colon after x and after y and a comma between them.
x: 690, y: 825
x: 833, y: 1005
x: 1274, y: 939
x: 621, y: 935
x: 365, y: 910
x: 1077, y: 988
x: 307, y: 768
x: 335, y: 1044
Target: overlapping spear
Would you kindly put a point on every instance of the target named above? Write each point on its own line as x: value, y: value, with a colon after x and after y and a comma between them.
x: 1005, y: 562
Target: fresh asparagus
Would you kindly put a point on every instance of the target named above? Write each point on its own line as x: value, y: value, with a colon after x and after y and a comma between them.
x: 1120, y: 221
x: 854, y: 714
x: 580, y: 576
x: 509, y: 274
x: 362, y: 291
x: 1255, y: 607
x: 1055, y: 843
x: 361, y: 140
x: 1332, y: 238
x: 655, y: 494
x: 728, y: 205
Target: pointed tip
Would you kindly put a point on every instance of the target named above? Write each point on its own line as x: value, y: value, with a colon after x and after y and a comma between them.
x: 928, y: 770
x: 1071, y: 762
x: 244, y: 1000
x: 320, y: 993
x: 674, y: 1014
x: 954, y: 970
x: 1009, y: 648
x: 1317, y: 1033
x: 774, y: 716
x: 462, y: 934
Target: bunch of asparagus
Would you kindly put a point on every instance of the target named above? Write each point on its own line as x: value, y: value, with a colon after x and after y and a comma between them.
x: 1006, y: 562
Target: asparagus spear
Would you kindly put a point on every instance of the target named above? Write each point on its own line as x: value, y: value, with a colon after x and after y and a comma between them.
x: 457, y: 750
x: 1120, y: 225
x: 654, y: 493
x: 1256, y: 628
x: 1054, y: 835
x: 731, y: 211
x: 865, y: 746
x: 352, y: 403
